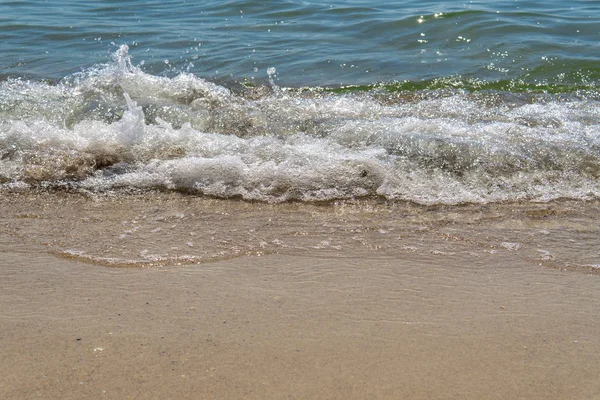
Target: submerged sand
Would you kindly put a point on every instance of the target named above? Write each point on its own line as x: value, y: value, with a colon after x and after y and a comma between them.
x: 226, y: 299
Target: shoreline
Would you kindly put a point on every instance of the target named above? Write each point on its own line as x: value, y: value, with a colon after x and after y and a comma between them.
x: 360, y: 316
x: 158, y: 229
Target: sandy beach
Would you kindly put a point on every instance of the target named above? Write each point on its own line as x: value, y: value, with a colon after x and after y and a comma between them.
x: 353, y: 200
x: 227, y: 299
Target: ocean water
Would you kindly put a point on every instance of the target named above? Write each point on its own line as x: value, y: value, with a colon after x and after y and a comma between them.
x: 429, y: 102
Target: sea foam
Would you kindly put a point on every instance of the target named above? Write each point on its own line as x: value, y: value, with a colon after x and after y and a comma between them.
x: 115, y: 127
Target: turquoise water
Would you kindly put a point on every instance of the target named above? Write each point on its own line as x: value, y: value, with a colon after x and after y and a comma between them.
x: 309, y: 42
x: 431, y: 102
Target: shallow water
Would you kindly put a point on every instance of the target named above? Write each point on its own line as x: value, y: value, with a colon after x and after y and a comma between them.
x: 166, y: 229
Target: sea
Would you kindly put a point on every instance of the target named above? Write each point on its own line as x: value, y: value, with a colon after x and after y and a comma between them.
x: 391, y: 108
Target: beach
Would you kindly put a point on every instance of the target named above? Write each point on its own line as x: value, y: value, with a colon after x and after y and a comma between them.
x: 441, y: 318
x: 265, y: 200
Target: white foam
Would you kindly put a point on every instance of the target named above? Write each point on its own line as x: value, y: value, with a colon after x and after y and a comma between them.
x: 114, y: 127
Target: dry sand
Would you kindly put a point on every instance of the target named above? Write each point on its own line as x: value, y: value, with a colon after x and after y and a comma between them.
x: 312, y: 302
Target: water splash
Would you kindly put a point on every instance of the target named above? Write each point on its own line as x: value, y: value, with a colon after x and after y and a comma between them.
x: 114, y: 127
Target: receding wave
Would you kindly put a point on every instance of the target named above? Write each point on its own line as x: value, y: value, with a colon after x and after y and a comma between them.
x: 449, y: 141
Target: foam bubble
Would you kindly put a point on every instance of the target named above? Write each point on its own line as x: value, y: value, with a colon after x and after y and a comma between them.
x: 115, y: 127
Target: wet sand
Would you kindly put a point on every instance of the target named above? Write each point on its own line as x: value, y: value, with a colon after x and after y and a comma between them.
x: 240, y: 300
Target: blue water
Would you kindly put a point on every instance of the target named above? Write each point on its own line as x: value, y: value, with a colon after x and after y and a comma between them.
x: 311, y: 43
x: 429, y: 101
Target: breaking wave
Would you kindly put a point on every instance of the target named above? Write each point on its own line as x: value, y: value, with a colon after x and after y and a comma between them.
x: 115, y: 128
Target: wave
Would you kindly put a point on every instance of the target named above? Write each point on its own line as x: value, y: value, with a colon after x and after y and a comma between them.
x: 446, y: 141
